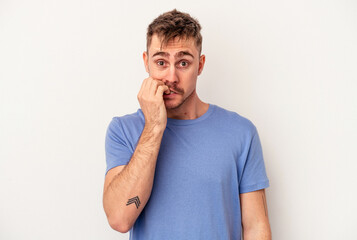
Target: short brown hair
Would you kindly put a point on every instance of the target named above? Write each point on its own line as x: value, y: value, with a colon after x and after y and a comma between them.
x: 174, y: 24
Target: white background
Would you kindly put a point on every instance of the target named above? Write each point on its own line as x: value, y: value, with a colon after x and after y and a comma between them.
x: 67, y: 67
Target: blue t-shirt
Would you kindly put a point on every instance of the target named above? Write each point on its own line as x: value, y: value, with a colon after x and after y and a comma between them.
x: 202, y: 167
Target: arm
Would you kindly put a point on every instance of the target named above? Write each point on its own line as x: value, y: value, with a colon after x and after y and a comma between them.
x: 133, y: 180
x: 128, y: 188
x: 255, y: 219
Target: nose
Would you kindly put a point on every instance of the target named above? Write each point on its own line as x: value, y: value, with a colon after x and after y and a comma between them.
x: 171, y: 75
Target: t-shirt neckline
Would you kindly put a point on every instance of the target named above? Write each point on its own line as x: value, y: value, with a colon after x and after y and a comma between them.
x: 172, y: 121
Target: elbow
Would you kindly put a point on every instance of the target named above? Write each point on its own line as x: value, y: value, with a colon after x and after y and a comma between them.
x: 119, y: 226
x: 262, y: 231
x: 115, y: 220
x: 118, y: 223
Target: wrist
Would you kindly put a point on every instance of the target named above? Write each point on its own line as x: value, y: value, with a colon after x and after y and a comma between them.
x: 154, y: 129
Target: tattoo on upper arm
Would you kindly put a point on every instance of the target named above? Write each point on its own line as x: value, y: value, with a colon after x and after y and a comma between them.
x: 135, y: 200
x: 264, y: 203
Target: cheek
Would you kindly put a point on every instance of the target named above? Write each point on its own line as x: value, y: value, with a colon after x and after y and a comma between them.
x: 188, y: 79
x: 155, y: 73
x: 191, y: 75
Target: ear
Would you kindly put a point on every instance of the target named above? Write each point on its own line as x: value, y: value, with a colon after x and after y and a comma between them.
x: 201, y: 64
x: 146, y: 63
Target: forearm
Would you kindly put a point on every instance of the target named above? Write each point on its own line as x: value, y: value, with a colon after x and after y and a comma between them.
x: 261, y: 232
x: 135, y: 180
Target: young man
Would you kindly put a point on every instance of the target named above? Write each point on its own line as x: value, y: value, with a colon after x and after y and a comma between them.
x: 180, y: 168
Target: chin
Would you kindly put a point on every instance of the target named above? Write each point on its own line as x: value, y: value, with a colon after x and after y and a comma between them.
x: 172, y: 105
x: 176, y: 104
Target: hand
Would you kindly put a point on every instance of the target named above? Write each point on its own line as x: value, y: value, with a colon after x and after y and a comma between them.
x: 152, y: 103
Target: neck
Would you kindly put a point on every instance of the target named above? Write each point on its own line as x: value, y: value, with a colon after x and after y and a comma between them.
x: 192, y: 108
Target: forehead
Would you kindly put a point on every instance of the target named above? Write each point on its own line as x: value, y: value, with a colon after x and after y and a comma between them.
x: 173, y: 46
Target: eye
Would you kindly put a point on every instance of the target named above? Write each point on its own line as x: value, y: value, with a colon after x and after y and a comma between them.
x: 183, y: 64
x: 160, y: 63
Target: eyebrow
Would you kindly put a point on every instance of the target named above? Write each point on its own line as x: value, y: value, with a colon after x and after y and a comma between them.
x: 177, y: 55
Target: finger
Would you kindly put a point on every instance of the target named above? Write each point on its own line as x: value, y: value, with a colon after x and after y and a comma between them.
x: 167, y: 91
x: 161, y: 83
x: 151, y: 88
x: 143, y: 86
x: 160, y: 90
x: 154, y: 85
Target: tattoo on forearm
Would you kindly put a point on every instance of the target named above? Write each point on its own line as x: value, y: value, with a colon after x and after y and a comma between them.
x: 265, y: 208
x: 135, y: 200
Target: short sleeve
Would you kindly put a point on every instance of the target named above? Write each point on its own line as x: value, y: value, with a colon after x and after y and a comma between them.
x: 254, y: 175
x: 116, y: 151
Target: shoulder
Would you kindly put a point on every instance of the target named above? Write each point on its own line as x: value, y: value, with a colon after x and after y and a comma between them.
x: 129, y: 120
x: 235, y: 121
x: 129, y: 125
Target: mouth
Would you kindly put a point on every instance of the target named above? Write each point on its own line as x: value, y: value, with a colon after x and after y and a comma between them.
x: 170, y: 95
x: 171, y: 92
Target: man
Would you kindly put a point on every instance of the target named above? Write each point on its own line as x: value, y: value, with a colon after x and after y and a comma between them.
x: 180, y: 168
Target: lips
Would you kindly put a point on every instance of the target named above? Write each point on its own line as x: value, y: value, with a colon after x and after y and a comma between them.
x: 171, y: 91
